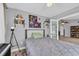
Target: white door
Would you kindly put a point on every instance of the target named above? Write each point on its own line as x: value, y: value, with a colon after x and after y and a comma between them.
x: 54, y: 29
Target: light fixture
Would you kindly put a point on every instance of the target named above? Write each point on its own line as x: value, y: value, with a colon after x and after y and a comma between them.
x: 49, y: 4
x: 62, y: 23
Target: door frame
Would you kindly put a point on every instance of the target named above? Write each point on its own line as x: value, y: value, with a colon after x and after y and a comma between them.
x: 51, y: 20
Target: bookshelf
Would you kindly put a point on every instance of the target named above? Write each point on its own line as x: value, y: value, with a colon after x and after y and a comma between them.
x: 74, y: 31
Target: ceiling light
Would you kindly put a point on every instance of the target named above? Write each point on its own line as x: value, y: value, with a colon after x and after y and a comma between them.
x: 49, y: 4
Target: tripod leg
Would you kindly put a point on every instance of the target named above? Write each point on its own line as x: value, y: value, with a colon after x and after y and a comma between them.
x: 16, y: 42
x: 11, y: 38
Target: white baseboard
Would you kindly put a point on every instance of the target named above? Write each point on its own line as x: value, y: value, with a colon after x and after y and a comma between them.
x: 13, y: 50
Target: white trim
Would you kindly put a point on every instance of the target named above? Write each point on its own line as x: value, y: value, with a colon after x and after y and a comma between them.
x: 57, y: 30
x: 2, y: 24
x: 71, y: 15
x: 75, y: 14
x: 51, y: 27
x: 13, y: 50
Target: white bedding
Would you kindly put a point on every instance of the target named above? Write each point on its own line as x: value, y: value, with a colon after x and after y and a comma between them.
x: 50, y: 47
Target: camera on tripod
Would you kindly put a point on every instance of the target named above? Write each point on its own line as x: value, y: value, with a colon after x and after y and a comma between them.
x: 12, y: 28
x: 13, y: 34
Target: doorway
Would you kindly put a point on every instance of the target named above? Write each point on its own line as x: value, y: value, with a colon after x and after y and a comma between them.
x: 54, y: 29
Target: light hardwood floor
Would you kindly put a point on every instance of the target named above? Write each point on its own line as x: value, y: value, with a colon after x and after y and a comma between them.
x: 71, y: 40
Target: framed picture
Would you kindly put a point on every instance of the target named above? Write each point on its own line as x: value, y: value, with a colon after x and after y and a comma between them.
x: 34, y: 22
x: 19, y: 19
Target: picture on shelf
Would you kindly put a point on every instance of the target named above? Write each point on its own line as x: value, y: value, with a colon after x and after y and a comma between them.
x: 19, y: 19
x: 34, y: 22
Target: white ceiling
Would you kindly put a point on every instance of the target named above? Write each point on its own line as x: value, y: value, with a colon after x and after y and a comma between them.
x: 41, y: 8
x: 74, y: 17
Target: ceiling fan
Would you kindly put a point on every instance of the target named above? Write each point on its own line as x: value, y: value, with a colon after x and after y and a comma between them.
x: 63, y: 22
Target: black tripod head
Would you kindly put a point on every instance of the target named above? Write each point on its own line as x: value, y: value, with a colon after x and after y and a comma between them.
x: 12, y: 29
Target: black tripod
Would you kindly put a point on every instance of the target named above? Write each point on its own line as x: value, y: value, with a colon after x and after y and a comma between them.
x: 14, y: 38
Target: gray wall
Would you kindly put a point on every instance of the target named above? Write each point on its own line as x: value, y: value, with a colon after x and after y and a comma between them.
x: 19, y: 30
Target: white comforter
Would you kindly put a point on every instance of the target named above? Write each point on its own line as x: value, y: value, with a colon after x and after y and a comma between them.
x: 50, y: 47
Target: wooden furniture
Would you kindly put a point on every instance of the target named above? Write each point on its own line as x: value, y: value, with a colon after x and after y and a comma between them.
x: 74, y: 31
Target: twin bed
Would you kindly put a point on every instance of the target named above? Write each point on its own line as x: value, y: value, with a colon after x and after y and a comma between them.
x: 50, y: 47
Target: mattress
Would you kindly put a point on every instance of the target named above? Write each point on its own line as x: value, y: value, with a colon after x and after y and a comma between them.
x: 50, y: 47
